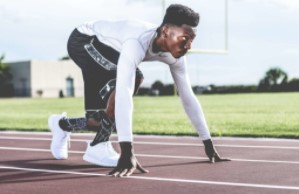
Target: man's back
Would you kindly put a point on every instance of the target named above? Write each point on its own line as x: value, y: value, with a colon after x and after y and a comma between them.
x: 115, y: 32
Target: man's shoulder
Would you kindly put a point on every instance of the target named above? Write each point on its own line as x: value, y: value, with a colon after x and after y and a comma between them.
x: 141, y: 23
x: 125, y: 24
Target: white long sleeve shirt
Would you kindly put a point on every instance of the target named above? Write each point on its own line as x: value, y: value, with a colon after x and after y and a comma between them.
x: 133, y: 39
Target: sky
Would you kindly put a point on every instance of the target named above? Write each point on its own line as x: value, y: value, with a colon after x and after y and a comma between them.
x: 263, y: 34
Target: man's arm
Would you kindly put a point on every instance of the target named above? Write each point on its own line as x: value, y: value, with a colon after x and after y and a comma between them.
x: 193, y: 108
x: 190, y: 103
x: 131, y: 55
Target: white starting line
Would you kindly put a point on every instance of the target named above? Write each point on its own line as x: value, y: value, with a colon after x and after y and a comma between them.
x: 155, y: 156
x: 233, y: 184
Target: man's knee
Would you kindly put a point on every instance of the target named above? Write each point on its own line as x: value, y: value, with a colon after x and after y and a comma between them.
x: 111, y: 101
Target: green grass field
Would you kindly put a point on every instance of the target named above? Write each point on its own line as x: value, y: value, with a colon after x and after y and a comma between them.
x: 251, y: 115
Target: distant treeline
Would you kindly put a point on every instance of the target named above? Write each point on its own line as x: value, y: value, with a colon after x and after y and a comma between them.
x: 290, y: 86
x: 275, y: 80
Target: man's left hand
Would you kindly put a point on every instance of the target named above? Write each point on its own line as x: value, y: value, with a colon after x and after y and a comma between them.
x: 211, y: 152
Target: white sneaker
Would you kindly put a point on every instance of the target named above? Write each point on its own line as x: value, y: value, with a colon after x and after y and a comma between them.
x: 102, y: 154
x: 60, y: 138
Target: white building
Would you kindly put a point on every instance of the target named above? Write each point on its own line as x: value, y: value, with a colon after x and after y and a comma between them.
x: 46, y: 78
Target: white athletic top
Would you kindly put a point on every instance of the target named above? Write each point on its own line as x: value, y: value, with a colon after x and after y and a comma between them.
x: 133, y: 39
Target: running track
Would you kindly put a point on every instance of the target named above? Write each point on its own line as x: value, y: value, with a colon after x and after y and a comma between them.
x: 177, y: 165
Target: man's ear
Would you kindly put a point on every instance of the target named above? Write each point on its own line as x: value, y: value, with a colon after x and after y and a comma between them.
x: 165, y: 31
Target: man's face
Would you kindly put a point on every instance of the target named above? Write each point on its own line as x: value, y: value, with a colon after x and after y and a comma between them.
x: 178, y: 39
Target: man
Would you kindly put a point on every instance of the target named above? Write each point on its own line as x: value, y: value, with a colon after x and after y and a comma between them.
x: 109, y: 52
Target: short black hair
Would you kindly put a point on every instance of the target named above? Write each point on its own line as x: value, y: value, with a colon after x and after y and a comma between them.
x: 178, y: 15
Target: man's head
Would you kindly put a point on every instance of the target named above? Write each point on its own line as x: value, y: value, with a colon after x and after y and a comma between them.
x: 178, y: 29
x: 177, y: 14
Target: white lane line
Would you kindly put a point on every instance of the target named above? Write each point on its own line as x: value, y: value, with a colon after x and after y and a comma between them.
x: 157, y: 156
x: 38, y: 138
x: 161, y: 136
x: 233, y: 184
x: 162, y: 143
x: 204, y: 158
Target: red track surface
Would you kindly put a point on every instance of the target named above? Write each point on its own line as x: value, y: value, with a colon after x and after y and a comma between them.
x: 177, y: 165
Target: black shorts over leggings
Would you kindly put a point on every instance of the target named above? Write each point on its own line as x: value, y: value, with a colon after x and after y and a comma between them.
x: 98, y: 63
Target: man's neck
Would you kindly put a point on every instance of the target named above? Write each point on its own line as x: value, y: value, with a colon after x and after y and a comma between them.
x: 158, y: 44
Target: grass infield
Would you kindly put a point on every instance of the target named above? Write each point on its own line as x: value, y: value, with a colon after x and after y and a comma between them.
x: 247, y: 115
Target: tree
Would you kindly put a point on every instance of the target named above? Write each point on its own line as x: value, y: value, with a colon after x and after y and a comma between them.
x: 275, y: 79
x: 276, y: 75
x: 5, y: 75
x: 6, y: 88
x: 157, y: 85
x: 264, y: 85
x: 156, y: 88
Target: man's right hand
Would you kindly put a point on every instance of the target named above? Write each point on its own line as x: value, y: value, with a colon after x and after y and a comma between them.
x: 127, y: 162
